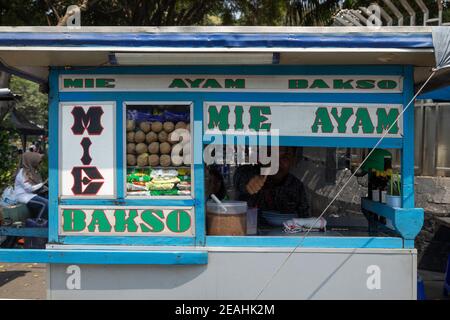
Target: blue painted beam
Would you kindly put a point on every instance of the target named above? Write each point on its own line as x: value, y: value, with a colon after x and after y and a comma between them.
x: 24, y: 232
x: 128, y: 240
x: 128, y: 202
x: 407, y: 221
x: 308, y: 141
x: 104, y: 257
x: 311, y: 241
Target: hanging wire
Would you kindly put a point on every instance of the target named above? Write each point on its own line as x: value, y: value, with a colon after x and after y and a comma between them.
x: 348, y: 180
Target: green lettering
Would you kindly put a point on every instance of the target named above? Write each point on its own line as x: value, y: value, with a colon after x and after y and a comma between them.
x: 257, y: 118
x: 178, y: 221
x: 73, y: 83
x: 319, y: 83
x: 74, y: 220
x: 178, y: 83
x: 298, y: 84
x: 238, y: 111
x: 153, y: 220
x: 363, y: 120
x: 105, y: 83
x: 211, y: 83
x: 322, y: 119
x: 88, y: 83
x: 99, y: 219
x: 341, y: 84
x: 218, y: 119
x: 385, y: 120
x: 365, y: 84
x: 195, y: 83
x: 342, y: 120
x: 235, y: 83
x: 123, y: 223
x: 387, y: 84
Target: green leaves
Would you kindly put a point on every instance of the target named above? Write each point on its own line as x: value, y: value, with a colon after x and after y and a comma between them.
x: 9, y: 159
x: 33, y: 103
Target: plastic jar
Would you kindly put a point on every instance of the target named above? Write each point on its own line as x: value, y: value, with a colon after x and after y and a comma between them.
x: 229, y: 222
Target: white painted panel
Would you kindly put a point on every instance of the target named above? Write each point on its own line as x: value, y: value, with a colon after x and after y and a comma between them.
x: 330, y: 274
x: 101, y: 151
x: 232, y: 83
x: 298, y: 119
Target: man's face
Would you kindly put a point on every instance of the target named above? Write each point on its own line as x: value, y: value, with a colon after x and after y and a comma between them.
x: 286, y: 158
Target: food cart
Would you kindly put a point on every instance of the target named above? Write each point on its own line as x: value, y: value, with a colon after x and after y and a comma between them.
x: 109, y: 239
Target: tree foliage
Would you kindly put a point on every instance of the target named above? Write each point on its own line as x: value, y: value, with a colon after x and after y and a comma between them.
x: 190, y: 12
x: 9, y: 161
x: 33, y: 103
x: 111, y: 12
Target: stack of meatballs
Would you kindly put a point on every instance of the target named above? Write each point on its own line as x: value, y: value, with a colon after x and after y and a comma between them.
x: 151, y: 143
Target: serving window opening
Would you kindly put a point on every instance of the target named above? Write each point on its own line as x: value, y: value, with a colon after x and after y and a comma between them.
x: 289, y: 202
x: 158, y: 150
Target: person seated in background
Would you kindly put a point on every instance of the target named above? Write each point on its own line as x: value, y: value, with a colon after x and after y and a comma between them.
x: 28, y: 185
x: 282, y: 192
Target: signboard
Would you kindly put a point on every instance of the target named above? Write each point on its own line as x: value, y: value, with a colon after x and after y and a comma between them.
x: 232, y: 83
x: 87, y: 150
x: 126, y: 221
x: 303, y: 119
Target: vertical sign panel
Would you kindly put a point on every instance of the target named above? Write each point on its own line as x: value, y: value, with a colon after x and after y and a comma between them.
x: 87, y: 150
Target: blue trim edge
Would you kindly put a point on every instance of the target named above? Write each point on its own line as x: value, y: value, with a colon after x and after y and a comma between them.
x: 308, y: 242
x: 217, y: 40
x: 407, y: 221
x: 104, y: 257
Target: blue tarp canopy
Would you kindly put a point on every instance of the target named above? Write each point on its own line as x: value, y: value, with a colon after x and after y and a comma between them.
x: 218, y: 40
x: 32, y: 50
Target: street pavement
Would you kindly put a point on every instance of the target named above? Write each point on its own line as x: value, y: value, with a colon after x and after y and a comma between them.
x: 23, y: 281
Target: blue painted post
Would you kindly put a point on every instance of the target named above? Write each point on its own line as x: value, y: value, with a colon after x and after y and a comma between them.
x: 199, y: 173
x: 53, y: 156
x: 407, y: 166
x: 408, y: 244
x: 120, y: 185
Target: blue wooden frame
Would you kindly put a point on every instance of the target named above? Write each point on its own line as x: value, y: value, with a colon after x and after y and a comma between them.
x: 406, y: 221
x: 70, y: 256
x: 200, y: 239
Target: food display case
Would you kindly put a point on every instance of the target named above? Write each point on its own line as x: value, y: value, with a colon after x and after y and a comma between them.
x: 126, y: 217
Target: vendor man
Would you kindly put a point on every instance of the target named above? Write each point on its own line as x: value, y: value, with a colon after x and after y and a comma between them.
x: 281, y: 192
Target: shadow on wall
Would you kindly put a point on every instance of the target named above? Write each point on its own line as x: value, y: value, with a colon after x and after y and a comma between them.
x: 433, y: 252
x: 320, y: 192
x: 433, y: 242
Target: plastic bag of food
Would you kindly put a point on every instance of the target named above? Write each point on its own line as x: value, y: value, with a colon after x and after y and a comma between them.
x: 175, y: 116
x: 163, y: 173
x: 136, y: 187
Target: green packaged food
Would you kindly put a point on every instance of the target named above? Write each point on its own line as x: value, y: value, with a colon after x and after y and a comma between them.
x: 172, y: 192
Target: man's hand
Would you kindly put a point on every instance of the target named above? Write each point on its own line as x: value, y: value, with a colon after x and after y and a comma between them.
x: 255, y: 184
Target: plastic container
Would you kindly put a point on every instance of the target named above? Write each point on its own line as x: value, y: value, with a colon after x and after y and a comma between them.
x: 232, y: 222
x: 252, y: 221
x: 383, y: 196
x: 15, y: 213
x: 394, y: 201
x: 376, y: 195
